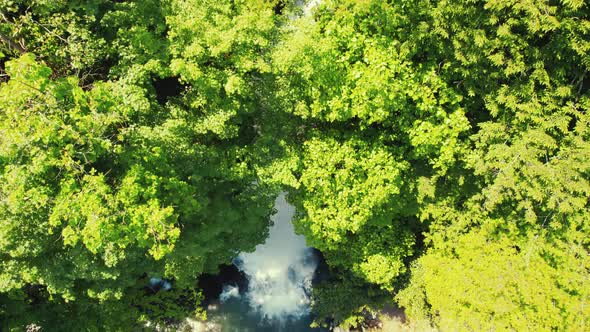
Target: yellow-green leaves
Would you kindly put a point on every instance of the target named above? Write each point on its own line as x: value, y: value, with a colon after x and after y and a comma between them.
x: 140, y: 164
x: 437, y: 146
x: 491, y: 264
x: 346, y: 185
x: 381, y: 270
x: 27, y: 74
x: 448, y: 119
x: 100, y: 220
x: 436, y: 137
x: 489, y: 283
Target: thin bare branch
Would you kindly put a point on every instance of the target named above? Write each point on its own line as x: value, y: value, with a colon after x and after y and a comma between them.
x: 12, y: 44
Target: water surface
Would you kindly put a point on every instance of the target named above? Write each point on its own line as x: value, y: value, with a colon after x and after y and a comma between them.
x: 275, y: 295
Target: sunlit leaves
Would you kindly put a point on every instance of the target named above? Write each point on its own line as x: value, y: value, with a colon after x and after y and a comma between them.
x: 481, y: 109
x: 109, y: 187
x: 346, y: 185
x: 454, y: 134
x: 497, y: 284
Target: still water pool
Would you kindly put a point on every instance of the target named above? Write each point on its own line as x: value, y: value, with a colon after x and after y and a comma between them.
x: 270, y: 289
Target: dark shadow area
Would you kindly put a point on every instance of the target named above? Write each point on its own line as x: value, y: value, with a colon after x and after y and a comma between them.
x: 212, y: 284
x: 167, y: 88
x: 322, y: 271
x: 279, y: 7
x: 3, y: 75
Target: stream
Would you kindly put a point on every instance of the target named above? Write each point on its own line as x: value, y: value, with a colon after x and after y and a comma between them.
x: 268, y: 289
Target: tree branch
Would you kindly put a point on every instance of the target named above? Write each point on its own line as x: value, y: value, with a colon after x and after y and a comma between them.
x: 12, y: 44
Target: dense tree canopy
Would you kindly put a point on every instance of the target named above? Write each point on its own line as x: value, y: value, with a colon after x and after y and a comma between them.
x: 138, y: 171
x: 438, y: 154
x: 454, y: 133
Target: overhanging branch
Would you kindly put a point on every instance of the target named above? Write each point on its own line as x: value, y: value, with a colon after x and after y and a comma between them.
x: 12, y: 44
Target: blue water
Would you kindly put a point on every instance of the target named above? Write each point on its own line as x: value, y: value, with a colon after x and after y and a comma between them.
x: 236, y: 315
